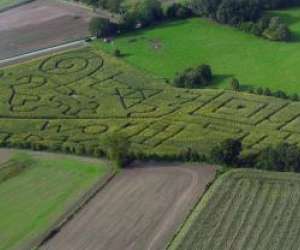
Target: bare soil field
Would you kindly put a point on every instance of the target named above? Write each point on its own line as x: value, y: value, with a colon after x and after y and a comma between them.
x: 41, y: 24
x: 141, y: 208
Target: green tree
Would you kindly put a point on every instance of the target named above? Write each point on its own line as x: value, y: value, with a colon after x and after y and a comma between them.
x: 267, y: 92
x: 101, y: 27
x: 235, y: 84
x: 295, y: 97
x: 227, y: 152
x: 283, y: 157
x: 118, y: 148
x: 150, y: 11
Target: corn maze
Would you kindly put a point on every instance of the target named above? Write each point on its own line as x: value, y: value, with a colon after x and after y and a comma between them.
x: 73, y: 100
x: 245, y: 209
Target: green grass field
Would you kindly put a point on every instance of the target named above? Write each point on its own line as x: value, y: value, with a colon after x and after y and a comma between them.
x: 6, y: 3
x: 245, y: 209
x: 169, y: 48
x: 34, y: 199
x: 72, y: 101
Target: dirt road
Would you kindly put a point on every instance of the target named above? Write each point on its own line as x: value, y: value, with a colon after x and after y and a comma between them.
x: 139, y: 209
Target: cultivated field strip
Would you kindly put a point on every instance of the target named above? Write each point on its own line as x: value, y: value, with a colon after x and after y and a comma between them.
x: 245, y: 209
x: 40, y: 24
x: 139, y: 209
x: 71, y: 101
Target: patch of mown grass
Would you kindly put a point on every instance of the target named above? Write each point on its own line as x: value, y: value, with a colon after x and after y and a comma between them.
x: 256, y: 62
x: 245, y: 209
x: 35, y: 198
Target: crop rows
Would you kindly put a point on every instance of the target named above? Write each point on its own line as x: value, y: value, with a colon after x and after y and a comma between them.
x: 79, y: 97
x: 246, y: 210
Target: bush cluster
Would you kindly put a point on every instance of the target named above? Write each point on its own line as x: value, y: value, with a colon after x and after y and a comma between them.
x: 194, y: 77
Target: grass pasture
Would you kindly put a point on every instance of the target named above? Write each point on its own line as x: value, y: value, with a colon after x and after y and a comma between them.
x: 7, y: 3
x: 36, y: 197
x: 72, y: 101
x: 245, y: 209
x: 172, y: 47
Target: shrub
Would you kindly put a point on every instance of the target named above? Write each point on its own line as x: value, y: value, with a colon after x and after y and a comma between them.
x: 194, y: 77
x: 267, y: 92
x: 280, y: 94
x: 259, y: 91
x: 117, y: 53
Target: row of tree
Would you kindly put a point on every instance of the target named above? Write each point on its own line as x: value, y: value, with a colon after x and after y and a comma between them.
x: 138, y: 15
x: 248, y: 15
x: 283, y: 157
x: 235, y: 85
x: 279, y: 93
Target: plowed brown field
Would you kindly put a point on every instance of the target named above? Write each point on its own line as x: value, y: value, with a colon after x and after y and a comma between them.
x: 139, y: 209
x: 41, y: 24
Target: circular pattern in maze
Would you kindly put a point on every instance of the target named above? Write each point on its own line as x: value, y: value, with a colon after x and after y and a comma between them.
x: 71, y: 63
x: 63, y: 66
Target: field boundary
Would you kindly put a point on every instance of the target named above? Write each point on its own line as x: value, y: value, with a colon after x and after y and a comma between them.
x: 72, y: 211
x: 41, y: 52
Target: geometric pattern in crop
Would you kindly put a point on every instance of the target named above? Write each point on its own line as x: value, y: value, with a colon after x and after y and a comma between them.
x: 246, y: 210
x: 78, y: 97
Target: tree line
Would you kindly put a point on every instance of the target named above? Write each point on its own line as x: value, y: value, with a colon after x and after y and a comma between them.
x: 283, y: 157
x: 247, y: 15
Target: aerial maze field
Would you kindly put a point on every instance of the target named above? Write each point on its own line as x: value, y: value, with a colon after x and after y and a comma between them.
x: 72, y: 101
x: 245, y: 210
